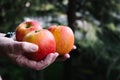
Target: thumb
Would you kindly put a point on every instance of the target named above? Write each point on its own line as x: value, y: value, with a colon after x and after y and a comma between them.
x: 25, y: 47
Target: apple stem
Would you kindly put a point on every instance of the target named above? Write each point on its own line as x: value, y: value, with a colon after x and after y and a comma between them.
x: 28, y: 25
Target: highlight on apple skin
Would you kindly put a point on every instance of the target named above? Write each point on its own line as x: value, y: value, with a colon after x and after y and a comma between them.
x: 25, y: 27
x: 45, y: 41
x: 64, y: 37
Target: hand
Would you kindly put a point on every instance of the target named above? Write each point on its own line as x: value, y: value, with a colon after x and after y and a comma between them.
x: 60, y: 58
x: 0, y: 78
x: 2, y: 34
x: 25, y: 62
x: 14, y: 50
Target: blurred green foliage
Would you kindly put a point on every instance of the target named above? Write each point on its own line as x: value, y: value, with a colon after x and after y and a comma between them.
x: 97, y: 38
x: 13, y: 12
x: 98, y: 41
x: 98, y: 55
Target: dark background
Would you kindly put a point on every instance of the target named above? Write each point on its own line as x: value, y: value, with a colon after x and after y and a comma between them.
x: 96, y: 24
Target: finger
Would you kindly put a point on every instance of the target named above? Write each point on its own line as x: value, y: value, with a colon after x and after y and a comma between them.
x: 66, y: 56
x: 23, y: 61
x: 2, y: 34
x: 25, y: 47
x: 42, y: 64
x: 74, y: 47
x: 13, y: 37
x: 0, y: 78
x: 63, y: 58
x: 51, y: 58
x: 47, y: 61
x: 18, y: 58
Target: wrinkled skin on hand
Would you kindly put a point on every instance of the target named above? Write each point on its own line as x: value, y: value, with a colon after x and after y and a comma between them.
x: 14, y: 50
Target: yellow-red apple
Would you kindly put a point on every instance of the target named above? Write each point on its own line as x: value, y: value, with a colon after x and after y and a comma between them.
x: 26, y: 27
x: 45, y: 41
x: 64, y: 38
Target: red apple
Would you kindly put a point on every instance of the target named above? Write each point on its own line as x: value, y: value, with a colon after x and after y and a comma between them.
x: 45, y: 41
x: 64, y: 38
x: 26, y: 27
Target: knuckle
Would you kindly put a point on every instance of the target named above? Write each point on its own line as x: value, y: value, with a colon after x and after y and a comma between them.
x: 19, y: 61
x: 17, y: 48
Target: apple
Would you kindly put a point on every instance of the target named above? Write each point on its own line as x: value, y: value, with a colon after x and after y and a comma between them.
x: 26, y: 27
x: 45, y: 41
x: 64, y: 38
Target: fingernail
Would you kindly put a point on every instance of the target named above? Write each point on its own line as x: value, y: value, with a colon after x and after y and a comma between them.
x: 56, y: 53
x: 34, y: 48
x: 74, y: 47
x: 68, y: 56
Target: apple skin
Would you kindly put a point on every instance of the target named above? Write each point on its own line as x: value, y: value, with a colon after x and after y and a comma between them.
x: 45, y: 41
x: 64, y: 38
x: 26, y: 27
